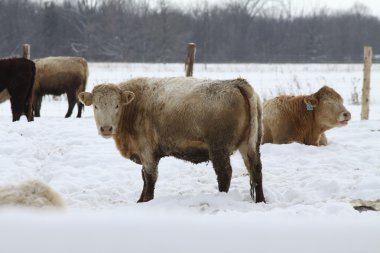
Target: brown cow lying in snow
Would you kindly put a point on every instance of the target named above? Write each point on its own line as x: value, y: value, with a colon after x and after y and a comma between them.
x: 194, y: 120
x: 303, y: 119
x: 57, y: 76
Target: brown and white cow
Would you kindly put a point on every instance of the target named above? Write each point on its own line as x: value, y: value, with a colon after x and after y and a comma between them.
x: 191, y: 119
x: 16, y: 82
x: 303, y: 119
x: 57, y: 76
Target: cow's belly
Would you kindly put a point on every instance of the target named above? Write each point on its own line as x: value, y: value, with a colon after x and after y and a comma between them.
x: 194, y: 155
x: 195, y: 151
x: 55, y: 89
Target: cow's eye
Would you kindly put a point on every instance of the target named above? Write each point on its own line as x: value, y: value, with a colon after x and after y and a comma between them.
x: 96, y: 107
x: 117, y: 106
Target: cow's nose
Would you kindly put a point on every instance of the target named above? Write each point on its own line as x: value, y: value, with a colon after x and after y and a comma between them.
x: 347, y: 115
x: 106, y: 129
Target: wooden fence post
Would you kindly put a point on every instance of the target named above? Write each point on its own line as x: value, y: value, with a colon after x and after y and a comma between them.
x: 190, y: 59
x: 26, y: 55
x: 26, y: 51
x: 366, y: 82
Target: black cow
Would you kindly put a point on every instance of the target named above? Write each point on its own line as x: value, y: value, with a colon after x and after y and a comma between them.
x: 17, y: 76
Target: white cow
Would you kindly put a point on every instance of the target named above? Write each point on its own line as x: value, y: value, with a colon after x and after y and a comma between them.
x: 191, y: 119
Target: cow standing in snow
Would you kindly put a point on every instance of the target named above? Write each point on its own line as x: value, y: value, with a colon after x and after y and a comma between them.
x: 57, y: 76
x: 191, y: 119
x: 16, y: 82
x: 303, y: 119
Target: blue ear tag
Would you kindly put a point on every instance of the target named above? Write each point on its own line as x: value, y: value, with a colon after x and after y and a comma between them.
x: 309, y: 107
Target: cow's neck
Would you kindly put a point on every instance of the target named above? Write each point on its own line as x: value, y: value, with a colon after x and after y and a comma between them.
x: 121, y: 140
x: 314, y: 129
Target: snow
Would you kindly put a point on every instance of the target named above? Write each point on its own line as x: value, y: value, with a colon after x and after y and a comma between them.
x: 308, y: 189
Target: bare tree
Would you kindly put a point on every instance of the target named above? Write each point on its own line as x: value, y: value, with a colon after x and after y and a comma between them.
x: 134, y: 30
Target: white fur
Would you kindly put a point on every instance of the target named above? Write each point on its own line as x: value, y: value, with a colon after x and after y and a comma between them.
x: 177, y: 89
x: 32, y: 193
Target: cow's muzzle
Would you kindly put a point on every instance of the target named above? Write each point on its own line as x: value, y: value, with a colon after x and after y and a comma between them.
x: 345, y: 117
x: 106, y: 131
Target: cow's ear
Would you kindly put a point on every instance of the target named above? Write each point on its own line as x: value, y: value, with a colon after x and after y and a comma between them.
x: 128, y: 97
x: 310, y: 102
x: 85, y: 98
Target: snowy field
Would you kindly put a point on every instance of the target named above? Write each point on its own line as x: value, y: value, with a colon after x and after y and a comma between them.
x: 308, y: 189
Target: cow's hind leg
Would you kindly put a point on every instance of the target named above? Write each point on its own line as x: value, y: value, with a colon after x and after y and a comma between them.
x: 71, y: 99
x: 28, y: 108
x: 17, y: 107
x: 221, y: 162
x: 252, y: 162
x: 16, y: 115
x: 28, y: 111
x: 37, y: 100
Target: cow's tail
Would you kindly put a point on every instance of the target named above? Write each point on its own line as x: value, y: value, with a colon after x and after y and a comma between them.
x: 255, y: 134
x: 86, y: 73
x: 255, y: 113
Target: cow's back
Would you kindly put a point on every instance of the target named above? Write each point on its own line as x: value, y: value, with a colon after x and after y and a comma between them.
x: 281, y: 108
x: 55, y: 75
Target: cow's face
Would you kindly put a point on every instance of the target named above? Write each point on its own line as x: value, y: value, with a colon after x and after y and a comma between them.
x: 329, y: 108
x: 107, y: 101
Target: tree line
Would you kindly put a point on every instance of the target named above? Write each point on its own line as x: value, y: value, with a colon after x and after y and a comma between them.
x: 139, y: 31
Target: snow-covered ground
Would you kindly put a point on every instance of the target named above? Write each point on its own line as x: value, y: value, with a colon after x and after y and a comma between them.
x: 308, y: 189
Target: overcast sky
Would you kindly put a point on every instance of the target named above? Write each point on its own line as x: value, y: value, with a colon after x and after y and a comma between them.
x: 306, y: 5
x: 373, y: 5
x: 298, y: 6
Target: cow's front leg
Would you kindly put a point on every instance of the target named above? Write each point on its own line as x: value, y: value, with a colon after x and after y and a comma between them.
x: 322, y: 140
x: 149, y: 175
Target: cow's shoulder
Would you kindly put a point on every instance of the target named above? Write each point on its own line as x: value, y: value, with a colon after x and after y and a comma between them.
x: 285, y: 103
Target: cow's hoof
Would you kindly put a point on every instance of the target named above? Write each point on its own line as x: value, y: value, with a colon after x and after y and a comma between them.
x: 260, y: 200
x: 145, y: 199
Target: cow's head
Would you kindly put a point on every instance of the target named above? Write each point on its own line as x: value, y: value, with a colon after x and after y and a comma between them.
x: 329, y: 109
x: 107, y: 101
